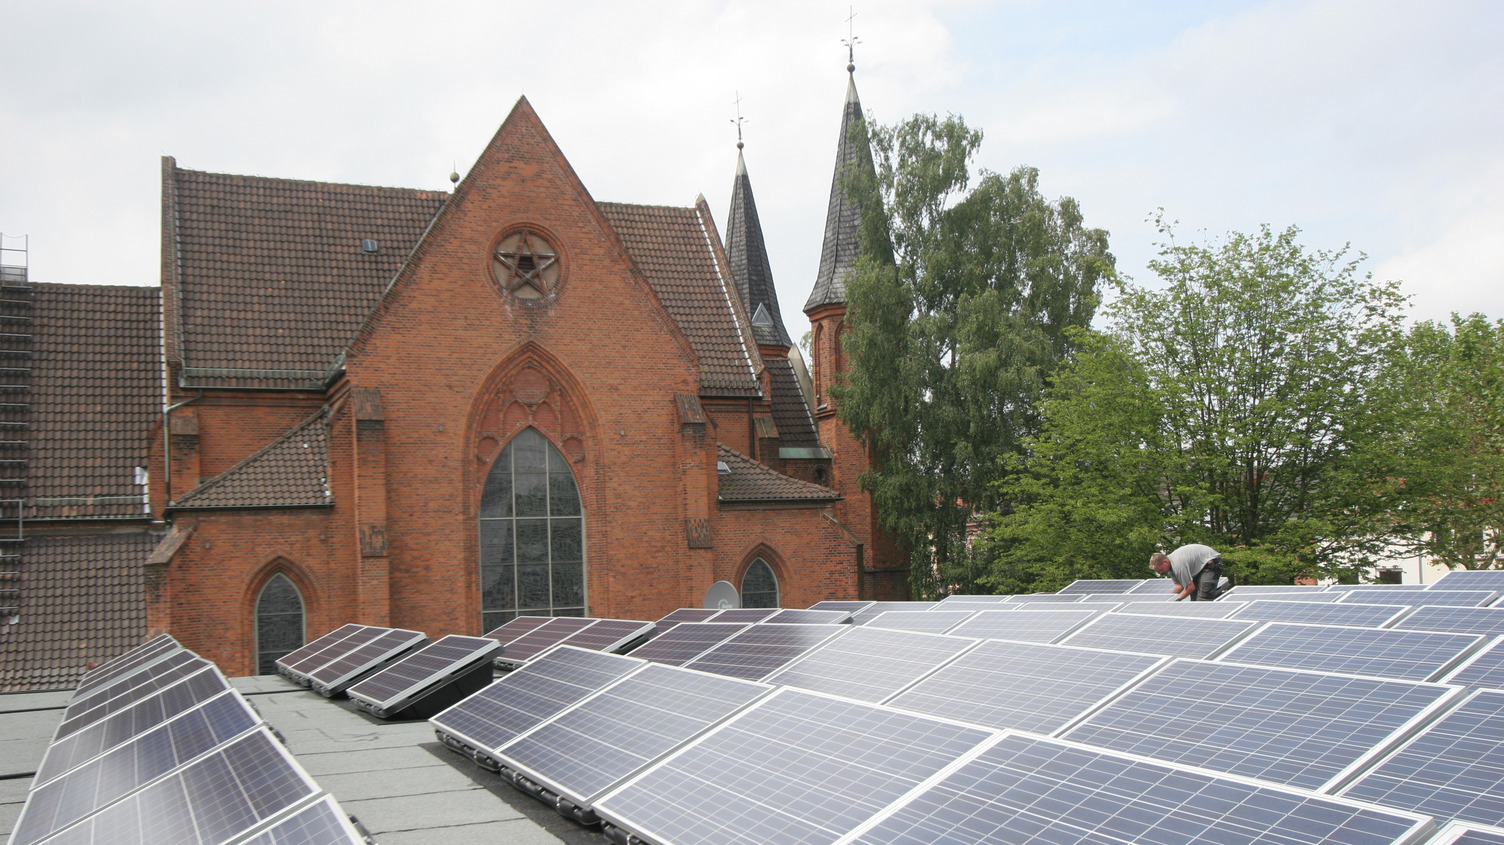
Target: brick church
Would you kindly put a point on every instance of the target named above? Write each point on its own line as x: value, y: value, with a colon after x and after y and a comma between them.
x: 426, y: 410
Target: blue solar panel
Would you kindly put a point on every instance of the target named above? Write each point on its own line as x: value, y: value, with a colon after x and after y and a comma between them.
x: 1039, y: 625
x: 1381, y: 652
x: 1455, y: 833
x: 1102, y: 586
x: 126, y: 664
x: 796, y: 767
x: 322, y: 822
x: 763, y: 649
x: 1284, y: 592
x: 870, y: 663
x: 867, y: 614
x: 809, y: 617
x: 920, y: 621
x: 1173, y: 636
x: 1029, y: 789
x: 1463, y: 620
x: 686, y: 641
x: 388, y: 690
x: 82, y: 712
x: 1317, y: 613
x: 1483, y: 670
x: 1304, y: 729
x: 685, y: 614
x: 1481, y: 579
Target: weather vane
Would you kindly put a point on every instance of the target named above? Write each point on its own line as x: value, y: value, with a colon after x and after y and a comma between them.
x: 739, y: 120
x: 850, y: 40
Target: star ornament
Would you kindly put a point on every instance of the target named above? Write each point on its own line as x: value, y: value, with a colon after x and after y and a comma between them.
x: 526, y: 266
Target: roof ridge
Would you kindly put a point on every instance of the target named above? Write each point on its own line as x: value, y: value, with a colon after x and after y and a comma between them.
x: 310, y: 182
x: 772, y: 486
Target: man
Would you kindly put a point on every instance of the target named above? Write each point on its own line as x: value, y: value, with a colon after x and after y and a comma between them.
x: 1195, y: 569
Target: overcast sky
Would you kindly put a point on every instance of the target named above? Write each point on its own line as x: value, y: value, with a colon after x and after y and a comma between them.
x: 1369, y: 122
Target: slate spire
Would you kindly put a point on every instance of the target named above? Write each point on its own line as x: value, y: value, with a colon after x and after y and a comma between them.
x: 749, y: 260
x: 843, y: 218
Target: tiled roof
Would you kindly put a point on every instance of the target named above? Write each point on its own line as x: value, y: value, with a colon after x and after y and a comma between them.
x: 675, y: 248
x: 748, y: 256
x: 271, y: 276
x: 96, y: 393
x: 82, y: 599
x: 843, y: 218
x: 790, y: 412
x: 291, y: 471
x: 750, y: 481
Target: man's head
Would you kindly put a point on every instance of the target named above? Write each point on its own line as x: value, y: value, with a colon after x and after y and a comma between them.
x: 1160, y: 562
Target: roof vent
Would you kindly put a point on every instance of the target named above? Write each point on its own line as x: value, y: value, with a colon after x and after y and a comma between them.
x: 368, y: 245
x: 722, y: 468
x: 762, y: 319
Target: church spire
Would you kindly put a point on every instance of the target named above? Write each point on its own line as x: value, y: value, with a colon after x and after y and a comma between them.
x: 843, y: 217
x: 748, y: 255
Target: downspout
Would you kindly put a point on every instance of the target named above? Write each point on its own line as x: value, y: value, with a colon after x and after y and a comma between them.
x: 167, y: 448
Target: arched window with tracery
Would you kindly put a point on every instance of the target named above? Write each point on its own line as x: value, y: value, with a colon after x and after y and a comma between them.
x: 279, y: 622
x: 532, y: 535
x: 759, y: 585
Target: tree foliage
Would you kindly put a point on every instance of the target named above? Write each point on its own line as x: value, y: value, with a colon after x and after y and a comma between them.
x: 957, y: 313
x: 1231, y: 405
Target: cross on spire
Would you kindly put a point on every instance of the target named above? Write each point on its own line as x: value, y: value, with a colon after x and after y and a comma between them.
x: 738, y: 120
x: 850, y: 41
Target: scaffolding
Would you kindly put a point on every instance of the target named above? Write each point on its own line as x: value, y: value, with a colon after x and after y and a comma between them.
x: 15, y: 413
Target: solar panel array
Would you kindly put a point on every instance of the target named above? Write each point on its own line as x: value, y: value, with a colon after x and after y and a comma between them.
x: 1483, y: 579
x: 1462, y: 620
x: 1341, y: 613
x: 608, y: 635
x: 1174, y: 636
x: 686, y: 641
x: 350, y: 665
x: 870, y: 663
x: 161, y: 750
x: 1383, y: 653
x: 1041, y: 625
x: 763, y: 649
x: 420, y: 674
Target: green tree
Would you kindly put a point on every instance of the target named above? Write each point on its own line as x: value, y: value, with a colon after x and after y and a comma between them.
x: 1231, y: 405
x: 1447, y: 481
x: 957, y: 313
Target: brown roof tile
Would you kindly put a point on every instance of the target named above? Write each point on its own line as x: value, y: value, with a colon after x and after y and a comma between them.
x: 291, y: 471
x: 273, y: 282
x: 749, y: 481
x: 676, y: 250
x: 790, y: 412
x: 96, y: 393
x: 82, y: 599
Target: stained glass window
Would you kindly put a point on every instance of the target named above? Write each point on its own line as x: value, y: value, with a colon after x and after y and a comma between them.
x: 759, y: 585
x: 279, y: 622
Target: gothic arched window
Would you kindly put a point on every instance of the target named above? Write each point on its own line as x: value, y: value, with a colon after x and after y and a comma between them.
x: 279, y: 622
x: 532, y: 535
x: 759, y: 585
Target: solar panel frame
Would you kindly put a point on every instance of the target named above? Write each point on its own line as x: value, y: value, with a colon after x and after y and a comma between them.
x: 685, y: 614
x: 1040, y: 626
x: 434, y: 665
x: 1013, y: 684
x: 763, y: 649
x: 1155, y: 584
x: 1453, y: 769
x: 1101, y: 586
x: 610, y: 634
x: 517, y: 626
x: 334, y: 649
x: 81, y: 714
x: 1044, y: 598
x: 1026, y: 788
x: 920, y: 621
x: 1380, y: 652
x: 744, y: 614
x: 870, y: 663
x: 945, y: 603
x: 585, y: 750
x: 542, y: 638
x: 1475, y: 579
x: 1322, y: 613
x: 1483, y: 669
x: 1300, y: 728
x: 1202, y: 609
x: 132, y: 661
x: 1171, y: 636
x: 1466, y: 620
x: 322, y: 821
x: 852, y: 607
x: 1456, y: 833
x: 785, y: 786
x: 1282, y: 592
x: 339, y: 674
x: 686, y: 641
x: 809, y: 617
x: 316, y: 645
x: 866, y: 615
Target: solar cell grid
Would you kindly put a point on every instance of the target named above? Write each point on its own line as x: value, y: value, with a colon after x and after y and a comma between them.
x: 175, y: 667
x: 744, y: 614
x: 1102, y: 586
x: 429, y: 664
x: 1128, y: 598
x: 808, y: 768
x: 1317, y: 613
x: 809, y: 617
x: 524, y: 698
x: 1453, y: 769
x: 867, y: 614
x: 1421, y: 598
x: 542, y: 638
x: 335, y: 676
x: 1172, y: 636
x: 314, y: 646
x: 1381, y: 652
x: 1299, y: 728
x: 606, y: 738
x: 1033, y: 789
x: 1479, y: 579
x: 322, y: 822
x: 610, y: 634
x: 130, y: 722
x: 848, y: 606
x: 920, y: 621
x: 332, y: 650
x: 1202, y: 609
x: 948, y: 601
x: 1482, y: 670
x: 1029, y: 686
x: 762, y: 649
x: 870, y: 663
x: 131, y: 766
x: 132, y: 661
x: 685, y: 642
x: 685, y: 614
x: 1283, y: 592
x: 1465, y: 620
x: 515, y: 628
x: 1454, y: 833
x: 1043, y: 598
x: 1041, y: 626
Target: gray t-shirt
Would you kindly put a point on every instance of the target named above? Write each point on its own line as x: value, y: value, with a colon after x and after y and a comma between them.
x: 1186, y: 562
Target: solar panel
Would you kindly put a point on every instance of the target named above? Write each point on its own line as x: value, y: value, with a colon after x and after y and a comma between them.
x: 606, y: 738
x: 610, y: 634
x: 848, y: 606
x: 1419, y: 598
x: 1159, y: 585
x: 214, y: 799
x: 1477, y: 579
x: 1304, y: 729
x: 685, y: 614
x: 761, y: 650
x: 809, y: 617
x: 1131, y: 598
x: 1029, y: 686
x: 920, y: 621
x: 1173, y: 636
x: 1463, y: 620
x: 526, y: 697
x: 555, y: 630
x: 131, y: 766
x: 1038, y: 790
x: 1202, y: 609
x: 322, y: 822
x: 433, y: 666
x: 518, y: 626
x: 945, y: 603
x: 1381, y: 652
x: 796, y: 767
x: 313, y: 647
x: 333, y: 649
x: 99, y: 737
x: 870, y: 663
x: 1454, y: 769
x: 132, y: 661
x: 745, y: 614
x: 1316, y: 613
x: 1454, y: 833
x: 1040, y: 626
x: 862, y: 617
x: 1282, y: 592
x: 82, y: 713
x: 685, y: 641
x: 334, y: 677
x: 1043, y: 598
x: 1115, y: 586
x: 1483, y: 670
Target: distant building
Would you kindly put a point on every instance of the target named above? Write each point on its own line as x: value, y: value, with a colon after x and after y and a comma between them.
x: 424, y: 410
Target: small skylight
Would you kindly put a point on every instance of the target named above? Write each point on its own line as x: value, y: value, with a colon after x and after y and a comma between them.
x: 722, y: 468
x: 368, y: 245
